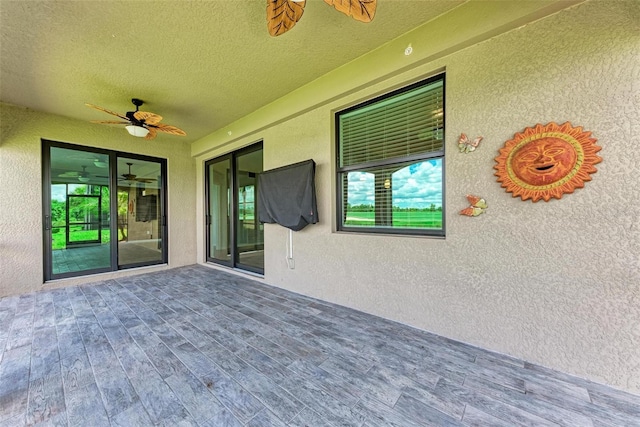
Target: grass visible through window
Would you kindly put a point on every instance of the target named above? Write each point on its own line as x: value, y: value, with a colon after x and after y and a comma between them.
x: 76, y: 234
x: 417, y: 219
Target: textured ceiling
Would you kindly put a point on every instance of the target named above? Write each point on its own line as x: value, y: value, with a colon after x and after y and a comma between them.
x: 199, y: 64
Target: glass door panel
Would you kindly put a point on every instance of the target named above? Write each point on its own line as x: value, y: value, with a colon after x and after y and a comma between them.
x: 140, y: 240
x: 84, y: 189
x: 235, y: 236
x: 219, y: 210
x: 249, y: 230
x: 77, y: 232
x: 84, y: 219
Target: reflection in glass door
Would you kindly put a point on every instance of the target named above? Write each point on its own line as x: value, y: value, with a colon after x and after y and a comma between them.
x: 219, y: 225
x: 88, y: 228
x: 83, y: 217
x: 235, y: 237
x: 78, y: 224
x: 139, y: 213
x: 249, y: 231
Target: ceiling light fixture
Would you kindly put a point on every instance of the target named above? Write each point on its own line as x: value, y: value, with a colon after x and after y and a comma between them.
x: 138, y: 131
x: 101, y: 164
x: 84, y: 179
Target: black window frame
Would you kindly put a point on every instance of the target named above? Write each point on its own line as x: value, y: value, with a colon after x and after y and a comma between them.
x: 342, y: 171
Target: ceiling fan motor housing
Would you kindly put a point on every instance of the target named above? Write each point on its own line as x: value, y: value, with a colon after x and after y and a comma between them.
x: 130, y: 114
x: 134, y: 121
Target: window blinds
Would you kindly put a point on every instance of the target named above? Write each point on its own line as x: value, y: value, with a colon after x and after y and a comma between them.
x: 405, y: 124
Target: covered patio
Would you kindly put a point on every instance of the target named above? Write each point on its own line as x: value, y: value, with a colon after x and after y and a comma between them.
x: 196, y: 346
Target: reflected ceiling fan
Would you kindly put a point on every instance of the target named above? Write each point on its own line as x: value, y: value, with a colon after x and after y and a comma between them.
x: 131, y: 177
x: 83, y: 176
x: 139, y: 123
x: 282, y: 15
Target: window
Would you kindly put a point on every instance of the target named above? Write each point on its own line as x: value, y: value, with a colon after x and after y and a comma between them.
x: 390, y: 162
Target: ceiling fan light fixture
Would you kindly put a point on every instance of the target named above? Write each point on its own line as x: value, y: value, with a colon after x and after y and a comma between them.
x: 138, y: 131
x: 101, y: 164
x: 84, y: 179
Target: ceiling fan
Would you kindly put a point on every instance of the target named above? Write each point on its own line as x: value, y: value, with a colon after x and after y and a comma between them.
x: 131, y: 177
x: 139, y: 123
x: 282, y: 15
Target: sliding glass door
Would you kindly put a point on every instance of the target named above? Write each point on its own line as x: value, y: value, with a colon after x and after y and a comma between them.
x: 219, y: 211
x: 140, y: 231
x: 77, y: 214
x: 249, y: 232
x: 235, y: 237
x: 103, y: 210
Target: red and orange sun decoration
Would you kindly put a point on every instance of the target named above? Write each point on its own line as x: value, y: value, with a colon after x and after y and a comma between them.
x: 547, y: 161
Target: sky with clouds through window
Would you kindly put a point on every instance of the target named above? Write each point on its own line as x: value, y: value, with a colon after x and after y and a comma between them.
x: 418, y: 185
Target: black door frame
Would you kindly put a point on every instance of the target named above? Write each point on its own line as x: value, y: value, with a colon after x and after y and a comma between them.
x: 233, y: 207
x: 113, y: 208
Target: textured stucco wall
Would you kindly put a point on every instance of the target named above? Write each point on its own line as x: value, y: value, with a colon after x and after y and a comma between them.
x: 21, y: 257
x: 555, y: 283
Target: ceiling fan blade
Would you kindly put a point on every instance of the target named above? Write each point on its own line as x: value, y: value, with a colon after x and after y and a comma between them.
x: 360, y: 10
x: 168, y: 129
x: 282, y: 15
x: 152, y: 133
x: 148, y: 118
x: 106, y: 111
x: 110, y: 122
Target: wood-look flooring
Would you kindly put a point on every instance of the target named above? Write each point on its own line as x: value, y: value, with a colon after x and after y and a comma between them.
x: 195, y: 346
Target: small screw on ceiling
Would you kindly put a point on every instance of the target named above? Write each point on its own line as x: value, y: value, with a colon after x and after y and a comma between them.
x: 408, y: 51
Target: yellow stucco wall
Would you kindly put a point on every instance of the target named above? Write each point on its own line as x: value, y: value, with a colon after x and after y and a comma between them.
x: 554, y: 283
x: 21, y: 255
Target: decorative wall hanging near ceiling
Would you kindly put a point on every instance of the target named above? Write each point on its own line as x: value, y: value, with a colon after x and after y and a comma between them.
x: 477, y: 206
x: 547, y: 161
x: 282, y: 15
x: 466, y: 146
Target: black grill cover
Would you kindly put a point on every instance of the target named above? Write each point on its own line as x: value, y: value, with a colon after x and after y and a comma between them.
x: 287, y: 196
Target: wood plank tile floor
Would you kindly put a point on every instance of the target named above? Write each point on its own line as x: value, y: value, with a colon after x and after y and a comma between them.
x: 195, y: 346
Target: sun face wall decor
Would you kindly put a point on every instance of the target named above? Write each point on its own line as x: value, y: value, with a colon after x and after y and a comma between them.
x: 547, y: 161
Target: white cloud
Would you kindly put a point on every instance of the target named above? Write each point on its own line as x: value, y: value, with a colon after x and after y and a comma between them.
x: 59, y: 192
x: 418, y: 185
x: 361, y: 188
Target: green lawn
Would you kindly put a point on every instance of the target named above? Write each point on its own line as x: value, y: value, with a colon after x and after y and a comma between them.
x: 421, y: 219
x: 76, y: 234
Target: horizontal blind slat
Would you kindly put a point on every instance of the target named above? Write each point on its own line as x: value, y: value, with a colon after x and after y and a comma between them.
x: 406, y: 124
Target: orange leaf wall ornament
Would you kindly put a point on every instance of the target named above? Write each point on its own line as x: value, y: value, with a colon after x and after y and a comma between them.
x: 282, y: 15
x: 360, y: 10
